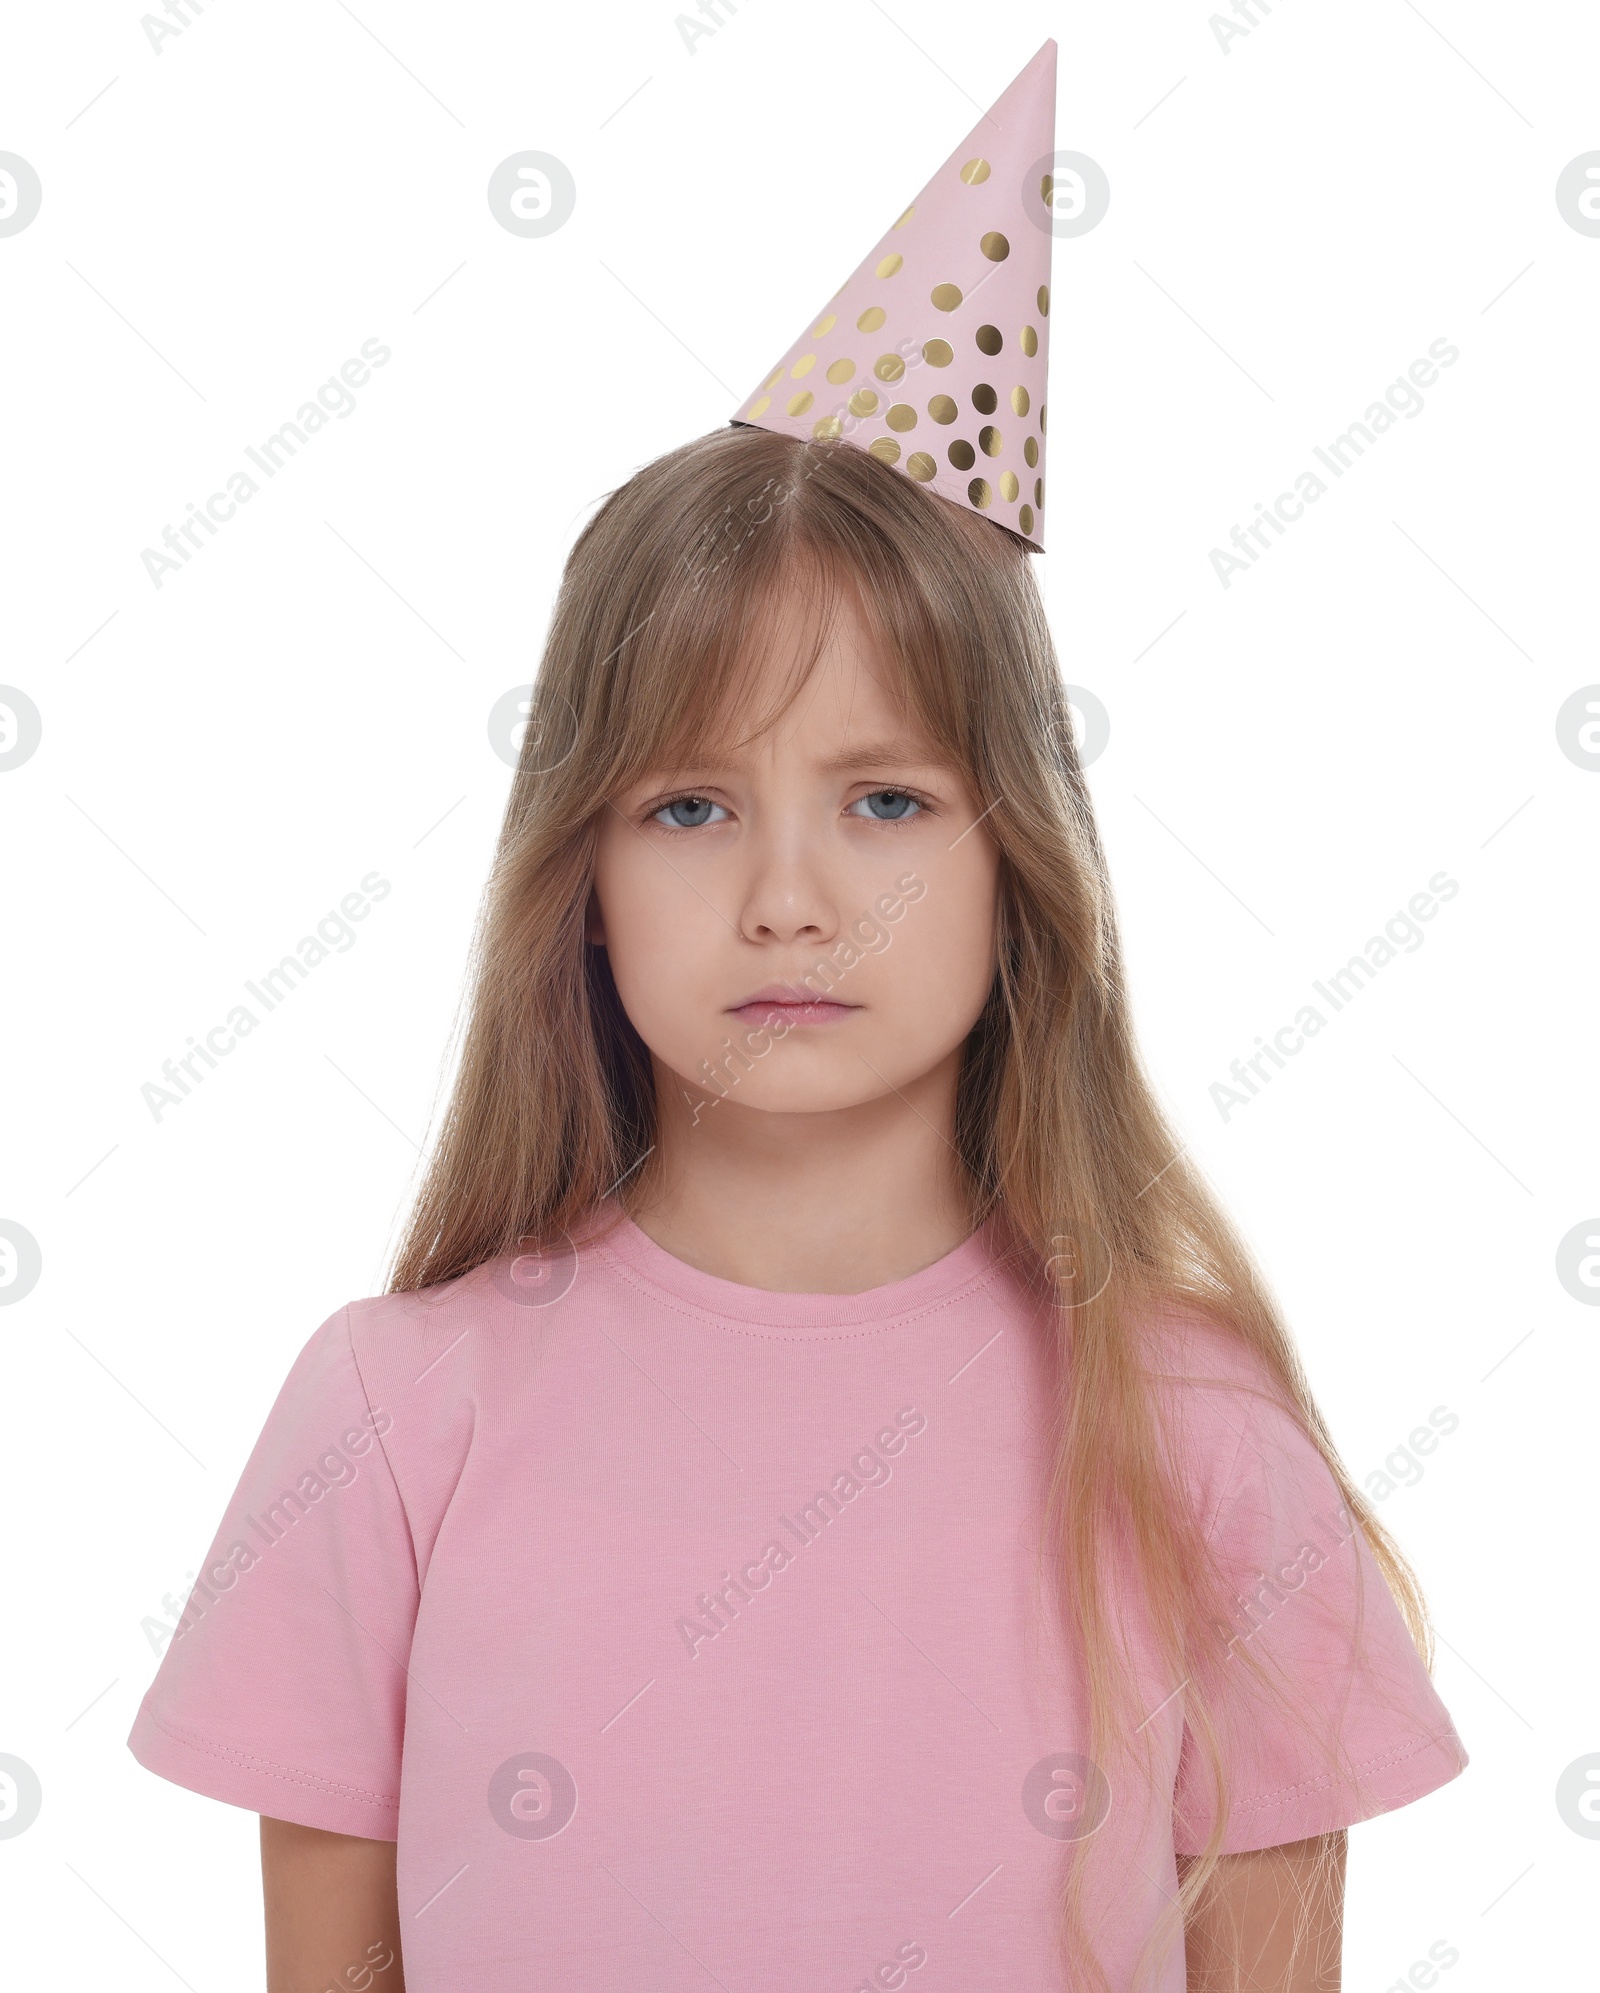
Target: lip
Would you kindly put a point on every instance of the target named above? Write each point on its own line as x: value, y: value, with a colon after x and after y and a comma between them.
x: 784, y: 1001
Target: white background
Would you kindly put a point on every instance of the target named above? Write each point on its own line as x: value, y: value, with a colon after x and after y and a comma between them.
x: 1292, y: 222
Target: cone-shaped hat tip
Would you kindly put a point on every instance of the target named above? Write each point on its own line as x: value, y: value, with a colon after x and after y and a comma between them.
x: 934, y: 352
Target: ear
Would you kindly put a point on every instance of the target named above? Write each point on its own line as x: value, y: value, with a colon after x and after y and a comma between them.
x: 594, y: 928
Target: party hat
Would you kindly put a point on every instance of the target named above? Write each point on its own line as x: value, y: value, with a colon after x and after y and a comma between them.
x: 934, y: 353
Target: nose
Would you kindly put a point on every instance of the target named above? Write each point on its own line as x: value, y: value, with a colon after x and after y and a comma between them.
x: 787, y: 896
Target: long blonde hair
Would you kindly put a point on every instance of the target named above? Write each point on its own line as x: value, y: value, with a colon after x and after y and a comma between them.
x: 667, y: 589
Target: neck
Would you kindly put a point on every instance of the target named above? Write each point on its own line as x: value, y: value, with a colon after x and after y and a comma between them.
x: 828, y: 1203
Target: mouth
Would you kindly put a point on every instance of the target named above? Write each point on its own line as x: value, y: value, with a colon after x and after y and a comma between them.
x: 781, y: 1003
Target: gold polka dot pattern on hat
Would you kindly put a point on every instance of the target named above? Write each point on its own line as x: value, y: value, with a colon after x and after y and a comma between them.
x: 978, y: 403
x: 775, y: 375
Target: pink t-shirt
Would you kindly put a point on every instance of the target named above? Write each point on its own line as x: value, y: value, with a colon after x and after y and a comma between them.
x: 687, y: 1634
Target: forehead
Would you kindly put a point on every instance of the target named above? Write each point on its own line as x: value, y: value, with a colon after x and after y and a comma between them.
x: 818, y: 683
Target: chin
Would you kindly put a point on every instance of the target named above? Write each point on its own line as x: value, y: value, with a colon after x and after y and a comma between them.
x: 823, y: 1079
x: 818, y: 1097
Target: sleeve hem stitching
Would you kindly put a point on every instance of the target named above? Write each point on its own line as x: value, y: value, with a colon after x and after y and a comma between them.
x: 248, y: 1761
x: 1383, y: 1762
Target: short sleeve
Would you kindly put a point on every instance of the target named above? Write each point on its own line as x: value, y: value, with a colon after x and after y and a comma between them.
x: 1338, y: 1720
x: 283, y: 1688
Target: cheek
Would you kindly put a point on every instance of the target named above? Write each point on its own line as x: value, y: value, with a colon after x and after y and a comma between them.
x: 939, y: 967
x: 929, y: 987
x: 659, y: 938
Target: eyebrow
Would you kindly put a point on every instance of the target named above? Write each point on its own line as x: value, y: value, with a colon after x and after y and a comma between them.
x: 881, y: 753
x: 869, y: 754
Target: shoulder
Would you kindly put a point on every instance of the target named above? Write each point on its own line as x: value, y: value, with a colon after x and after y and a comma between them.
x: 428, y: 1370
x: 1228, y: 1413
x: 438, y: 1355
x: 1203, y: 1369
x: 430, y: 1352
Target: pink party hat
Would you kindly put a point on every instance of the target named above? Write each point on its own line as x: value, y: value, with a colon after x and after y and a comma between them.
x: 934, y: 354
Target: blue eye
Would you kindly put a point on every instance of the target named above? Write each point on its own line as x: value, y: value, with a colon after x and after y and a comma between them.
x: 687, y: 812
x: 886, y: 805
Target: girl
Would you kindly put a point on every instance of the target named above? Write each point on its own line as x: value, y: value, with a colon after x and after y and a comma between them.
x: 827, y: 1498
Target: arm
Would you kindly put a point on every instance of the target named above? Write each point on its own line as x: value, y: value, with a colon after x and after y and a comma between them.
x: 331, y: 1911
x: 1271, y: 1921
